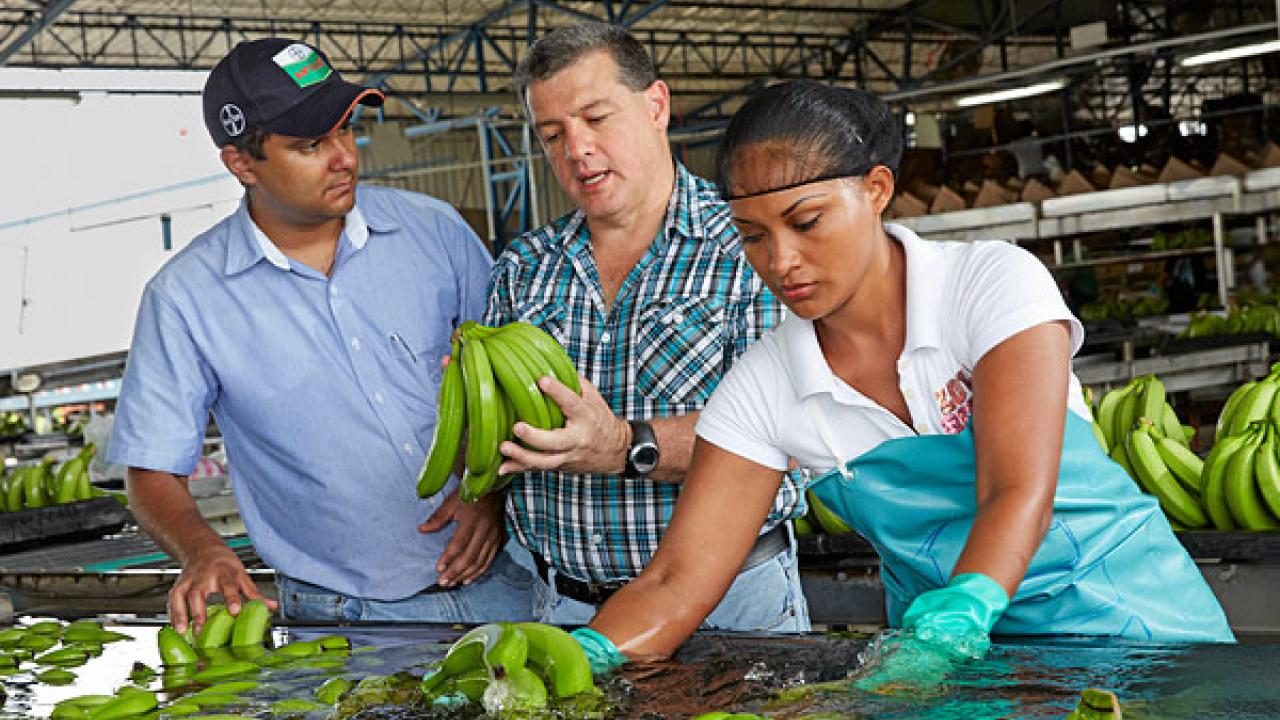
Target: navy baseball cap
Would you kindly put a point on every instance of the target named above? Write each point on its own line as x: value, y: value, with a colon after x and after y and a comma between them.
x: 279, y: 85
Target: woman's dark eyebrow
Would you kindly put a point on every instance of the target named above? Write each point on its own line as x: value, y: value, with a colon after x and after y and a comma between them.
x: 792, y: 206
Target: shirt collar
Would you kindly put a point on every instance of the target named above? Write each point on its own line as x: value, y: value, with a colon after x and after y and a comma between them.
x: 251, y: 245
x: 810, y: 373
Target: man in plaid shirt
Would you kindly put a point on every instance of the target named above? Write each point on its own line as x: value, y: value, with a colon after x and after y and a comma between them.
x: 645, y: 286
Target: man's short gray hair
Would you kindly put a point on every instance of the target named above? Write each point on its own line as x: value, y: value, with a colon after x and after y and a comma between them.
x: 563, y: 46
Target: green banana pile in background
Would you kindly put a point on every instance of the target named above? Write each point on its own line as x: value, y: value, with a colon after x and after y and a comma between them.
x: 1257, y: 318
x: 12, y: 423
x: 513, y: 668
x: 42, y: 485
x: 490, y: 383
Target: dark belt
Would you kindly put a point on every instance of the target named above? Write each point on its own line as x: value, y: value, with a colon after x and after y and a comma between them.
x: 766, y: 548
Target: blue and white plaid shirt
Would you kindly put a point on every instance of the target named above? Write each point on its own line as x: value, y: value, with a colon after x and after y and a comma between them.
x: 684, y: 313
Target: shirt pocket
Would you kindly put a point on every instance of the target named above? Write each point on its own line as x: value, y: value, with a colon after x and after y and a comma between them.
x: 414, y: 369
x: 680, y: 349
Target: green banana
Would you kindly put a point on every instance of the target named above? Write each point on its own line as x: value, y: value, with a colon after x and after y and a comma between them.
x: 235, y: 687
x: 16, y: 491
x: 518, y: 381
x: 1158, y: 481
x: 332, y: 690
x: 225, y: 670
x: 216, y: 631
x: 494, y: 647
x: 1185, y: 465
x: 830, y: 523
x: 1224, y: 424
x: 46, y: 627
x: 472, y: 683
x: 1106, y: 417
x: 1151, y: 403
x: 558, y: 656
x: 64, y: 657
x: 334, y: 642
x: 33, y: 489
x: 1120, y: 455
x: 555, y: 355
x: 518, y: 691
x: 4, y: 494
x: 56, y: 676
x: 1099, y: 434
x: 65, y: 484
x: 300, y: 648
x: 451, y: 418
x: 482, y: 407
x: 37, y: 642
x: 475, y: 485
x: 1266, y: 468
x: 1170, y: 425
x: 539, y: 367
x: 1241, y: 489
x: 1254, y: 406
x: 174, y: 649
x: 129, y: 701
x: 1125, y: 413
x: 251, y: 624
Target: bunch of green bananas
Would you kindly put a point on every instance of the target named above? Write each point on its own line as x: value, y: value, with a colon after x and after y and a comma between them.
x: 1241, y: 476
x: 12, y: 423
x: 512, y: 667
x: 1252, y: 319
x: 490, y: 383
x: 38, y: 486
x: 1120, y: 409
x: 1142, y: 433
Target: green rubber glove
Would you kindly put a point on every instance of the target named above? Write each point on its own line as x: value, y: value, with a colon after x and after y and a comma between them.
x: 941, y: 628
x: 603, y: 655
x: 959, y: 616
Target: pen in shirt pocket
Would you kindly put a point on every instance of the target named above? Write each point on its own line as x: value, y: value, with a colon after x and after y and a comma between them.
x: 395, y: 338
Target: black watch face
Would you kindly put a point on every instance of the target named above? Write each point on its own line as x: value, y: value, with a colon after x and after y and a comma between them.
x: 644, y: 457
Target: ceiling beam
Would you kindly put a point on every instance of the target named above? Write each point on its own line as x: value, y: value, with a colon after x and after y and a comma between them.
x: 52, y: 10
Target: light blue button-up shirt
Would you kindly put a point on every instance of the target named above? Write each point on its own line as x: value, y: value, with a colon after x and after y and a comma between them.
x: 324, y: 388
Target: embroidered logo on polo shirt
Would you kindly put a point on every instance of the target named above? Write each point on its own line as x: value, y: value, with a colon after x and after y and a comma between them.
x: 954, y: 401
x: 304, y: 65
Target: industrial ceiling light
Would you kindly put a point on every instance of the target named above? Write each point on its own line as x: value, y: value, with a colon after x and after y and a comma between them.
x: 1012, y: 93
x: 1231, y: 53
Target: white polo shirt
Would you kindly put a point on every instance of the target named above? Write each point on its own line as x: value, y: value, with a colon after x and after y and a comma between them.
x: 962, y: 300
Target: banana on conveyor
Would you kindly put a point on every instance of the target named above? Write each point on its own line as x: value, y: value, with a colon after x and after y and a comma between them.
x: 252, y: 624
x: 510, y: 666
x: 1266, y: 471
x: 1156, y: 478
x: 1185, y: 465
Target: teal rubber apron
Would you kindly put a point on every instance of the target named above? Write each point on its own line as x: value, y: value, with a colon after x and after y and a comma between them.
x: 1109, y: 565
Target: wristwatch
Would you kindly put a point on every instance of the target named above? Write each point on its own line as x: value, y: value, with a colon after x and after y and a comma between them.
x: 642, y: 456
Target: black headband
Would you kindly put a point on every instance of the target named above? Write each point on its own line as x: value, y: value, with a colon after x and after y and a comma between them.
x: 838, y: 175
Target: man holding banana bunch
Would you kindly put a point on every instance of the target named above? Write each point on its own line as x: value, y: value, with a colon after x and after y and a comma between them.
x: 645, y: 286
x: 310, y: 322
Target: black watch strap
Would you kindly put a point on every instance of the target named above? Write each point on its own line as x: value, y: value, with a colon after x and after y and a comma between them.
x: 642, y: 456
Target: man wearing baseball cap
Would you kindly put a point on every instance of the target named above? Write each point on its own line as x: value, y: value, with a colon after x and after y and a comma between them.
x: 311, y: 322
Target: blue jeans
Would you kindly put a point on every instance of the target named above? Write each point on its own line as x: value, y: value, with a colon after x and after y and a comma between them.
x: 765, y: 598
x: 502, y: 593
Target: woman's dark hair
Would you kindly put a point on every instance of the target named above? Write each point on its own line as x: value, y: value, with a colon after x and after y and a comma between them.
x: 813, y: 131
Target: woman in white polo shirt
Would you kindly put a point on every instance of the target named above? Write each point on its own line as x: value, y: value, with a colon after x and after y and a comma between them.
x: 927, y: 390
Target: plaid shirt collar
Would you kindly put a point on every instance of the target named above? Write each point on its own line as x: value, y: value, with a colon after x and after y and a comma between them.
x: 686, y: 217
